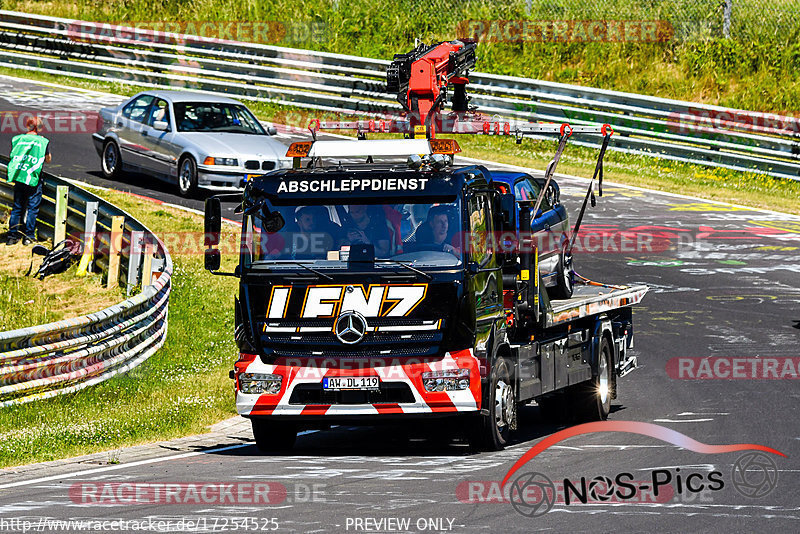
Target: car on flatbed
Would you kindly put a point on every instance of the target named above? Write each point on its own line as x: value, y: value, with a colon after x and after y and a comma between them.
x: 188, y: 139
x: 550, y: 228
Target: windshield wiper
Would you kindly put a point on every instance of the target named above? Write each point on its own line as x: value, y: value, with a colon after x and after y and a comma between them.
x: 307, y: 268
x: 407, y: 266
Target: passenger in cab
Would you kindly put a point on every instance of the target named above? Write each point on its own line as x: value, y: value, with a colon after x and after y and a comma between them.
x: 365, y: 228
x: 317, y: 233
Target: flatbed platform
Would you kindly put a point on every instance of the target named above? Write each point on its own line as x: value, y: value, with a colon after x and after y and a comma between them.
x: 590, y: 300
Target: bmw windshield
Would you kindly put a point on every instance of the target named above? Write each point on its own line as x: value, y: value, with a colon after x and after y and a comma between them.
x: 322, y: 236
x: 216, y: 117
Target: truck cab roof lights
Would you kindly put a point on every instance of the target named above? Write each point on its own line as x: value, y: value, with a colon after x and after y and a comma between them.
x: 372, y: 147
x: 299, y: 149
x: 435, y: 162
x: 444, y: 146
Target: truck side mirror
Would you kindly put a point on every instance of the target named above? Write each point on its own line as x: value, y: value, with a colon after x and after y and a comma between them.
x: 212, y: 224
x: 212, y: 259
x: 508, y: 209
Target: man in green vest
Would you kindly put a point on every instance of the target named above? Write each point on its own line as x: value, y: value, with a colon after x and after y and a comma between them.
x: 29, y: 152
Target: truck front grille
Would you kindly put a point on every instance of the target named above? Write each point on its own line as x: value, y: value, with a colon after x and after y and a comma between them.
x: 374, y: 345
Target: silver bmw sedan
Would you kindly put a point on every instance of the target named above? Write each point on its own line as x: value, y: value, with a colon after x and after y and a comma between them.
x: 189, y: 139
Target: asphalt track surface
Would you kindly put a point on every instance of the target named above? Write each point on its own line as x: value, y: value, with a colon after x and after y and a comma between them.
x: 724, y: 284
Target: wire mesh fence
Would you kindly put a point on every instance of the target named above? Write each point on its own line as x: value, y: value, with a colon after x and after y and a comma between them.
x: 686, y: 19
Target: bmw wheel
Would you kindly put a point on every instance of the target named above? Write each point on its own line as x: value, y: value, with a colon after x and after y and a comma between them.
x: 111, y: 162
x: 187, y: 177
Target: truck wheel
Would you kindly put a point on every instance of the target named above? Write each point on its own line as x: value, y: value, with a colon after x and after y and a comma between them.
x: 111, y: 162
x: 564, y: 284
x: 187, y: 177
x: 491, y: 432
x: 273, y: 436
x: 593, y: 399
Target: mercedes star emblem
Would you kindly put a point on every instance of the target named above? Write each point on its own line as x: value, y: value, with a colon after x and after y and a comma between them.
x: 350, y: 327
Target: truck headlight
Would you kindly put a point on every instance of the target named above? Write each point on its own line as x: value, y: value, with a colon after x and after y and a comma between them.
x: 449, y: 380
x: 230, y: 162
x: 258, y: 383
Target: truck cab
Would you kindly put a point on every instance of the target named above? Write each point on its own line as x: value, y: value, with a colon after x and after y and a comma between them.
x: 411, y: 290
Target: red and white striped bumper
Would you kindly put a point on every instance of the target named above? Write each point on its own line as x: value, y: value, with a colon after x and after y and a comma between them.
x: 297, y: 371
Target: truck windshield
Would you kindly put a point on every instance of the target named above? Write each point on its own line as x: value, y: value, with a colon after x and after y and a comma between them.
x: 420, y: 234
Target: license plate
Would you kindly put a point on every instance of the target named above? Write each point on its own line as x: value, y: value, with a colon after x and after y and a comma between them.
x: 351, y: 382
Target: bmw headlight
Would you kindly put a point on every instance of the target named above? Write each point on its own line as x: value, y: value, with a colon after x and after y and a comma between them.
x: 230, y: 162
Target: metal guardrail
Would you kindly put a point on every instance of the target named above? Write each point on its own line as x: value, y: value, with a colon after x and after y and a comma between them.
x: 671, y: 129
x: 61, y: 357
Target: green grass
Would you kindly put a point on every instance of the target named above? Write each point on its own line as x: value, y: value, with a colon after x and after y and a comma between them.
x: 26, y: 301
x: 180, y: 390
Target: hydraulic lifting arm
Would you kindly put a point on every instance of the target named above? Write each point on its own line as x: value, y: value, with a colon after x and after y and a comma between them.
x: 420, y: 79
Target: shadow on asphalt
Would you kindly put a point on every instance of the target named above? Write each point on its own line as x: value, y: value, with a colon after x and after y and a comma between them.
x: 428, y: 438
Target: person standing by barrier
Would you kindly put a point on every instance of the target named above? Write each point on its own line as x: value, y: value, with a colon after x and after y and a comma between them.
x: 29, y: 152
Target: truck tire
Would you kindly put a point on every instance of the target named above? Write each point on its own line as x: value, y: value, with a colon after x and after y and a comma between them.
x: 187, y: 177
x: 593, y: 398
x: 491, y: 432
x: 110, y: 161
x: 564, y: 284
x: 273, y: 436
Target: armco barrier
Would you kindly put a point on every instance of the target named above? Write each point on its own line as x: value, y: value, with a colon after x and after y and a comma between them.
x: 682, y: 131
x: 47, y: 360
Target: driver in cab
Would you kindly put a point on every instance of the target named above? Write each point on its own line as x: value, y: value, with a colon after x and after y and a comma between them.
x: 434, y: 231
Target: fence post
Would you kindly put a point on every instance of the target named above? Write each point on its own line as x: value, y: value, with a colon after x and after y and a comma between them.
x: 147, y: 267
x: 60, y: 224
x: 134, y: 259
x: 726, y: 20
x: 114, y: 249
x: 90, y: 233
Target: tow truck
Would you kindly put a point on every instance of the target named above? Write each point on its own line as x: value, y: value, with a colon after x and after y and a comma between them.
x: 378, y: 280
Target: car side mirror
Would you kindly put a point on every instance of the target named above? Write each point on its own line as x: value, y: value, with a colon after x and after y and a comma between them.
x: 161, y: 126
x: 272, y: 130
